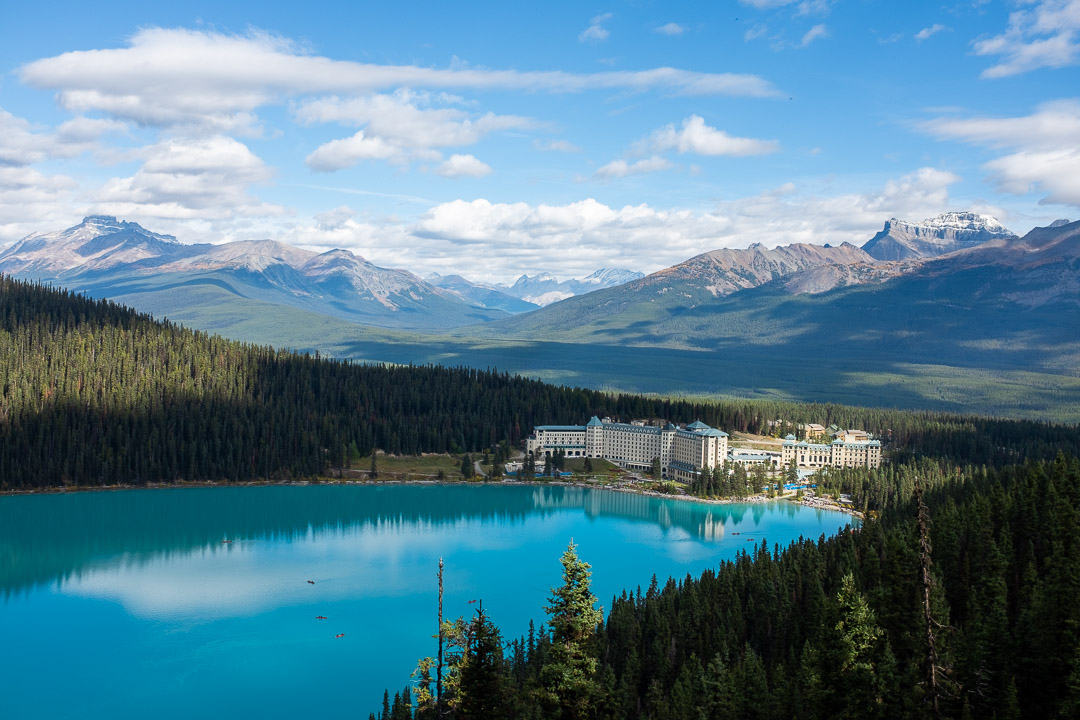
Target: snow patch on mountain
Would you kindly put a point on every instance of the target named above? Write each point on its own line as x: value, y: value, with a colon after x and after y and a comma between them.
x: 904, y: 240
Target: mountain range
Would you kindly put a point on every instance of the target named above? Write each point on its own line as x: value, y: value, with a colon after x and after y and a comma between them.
x: 968, y: 316
x: 901, y: 240
x: 123, y: 261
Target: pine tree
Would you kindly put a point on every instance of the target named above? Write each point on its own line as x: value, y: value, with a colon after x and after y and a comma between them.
x: 481, y: 690
x: 569, y: 679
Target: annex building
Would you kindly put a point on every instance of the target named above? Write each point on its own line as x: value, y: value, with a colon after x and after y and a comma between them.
x: 683, y: 451
x: 851, y: 448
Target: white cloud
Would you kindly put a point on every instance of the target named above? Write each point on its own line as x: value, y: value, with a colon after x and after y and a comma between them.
x: 1046, y: 34
x: 697, y: 137
x: 556, y: 146
x: 926, y: 32
x: 766, y: 4
x: 31, y: 201
x: 397, y: 128
x: 495, y: 241
x: 755, y: 32
x: 336, y: 218
x: 346, y: 152
x: 1046, y: 147
x: 215, y: 82
x: 190, y: 178
x: 595, y: 32
x: 814, y: 7
x: 671, y: 29
x: 20, y: 145
x: 463, y: 166
x: 806, y: 7
x: 818, y: 31
x: 621, y: 168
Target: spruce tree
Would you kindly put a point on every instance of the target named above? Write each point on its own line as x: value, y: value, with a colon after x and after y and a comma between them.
x: 569, y: 678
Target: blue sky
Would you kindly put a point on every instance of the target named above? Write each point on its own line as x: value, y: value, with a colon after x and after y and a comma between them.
x: 495, y: 139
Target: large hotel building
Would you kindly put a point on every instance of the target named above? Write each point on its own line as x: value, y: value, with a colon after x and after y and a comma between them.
x: 683, y: 451
x: 850, y: 449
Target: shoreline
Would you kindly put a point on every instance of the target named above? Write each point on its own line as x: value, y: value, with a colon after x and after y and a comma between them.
x: 814, y: 502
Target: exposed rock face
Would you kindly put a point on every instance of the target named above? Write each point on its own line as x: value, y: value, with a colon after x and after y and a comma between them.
x: 723, y: 272
x: 903, y: 240
x: 106, y: 254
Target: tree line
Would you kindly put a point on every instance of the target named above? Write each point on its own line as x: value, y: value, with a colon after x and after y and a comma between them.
x: 95, y: 393
x: 957, y: 602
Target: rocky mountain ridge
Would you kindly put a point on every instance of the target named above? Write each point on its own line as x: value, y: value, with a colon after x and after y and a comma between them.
x: 107, y: 258
x: 945, y: 233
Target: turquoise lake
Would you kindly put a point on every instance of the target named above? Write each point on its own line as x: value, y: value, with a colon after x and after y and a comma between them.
x: 125, y: 604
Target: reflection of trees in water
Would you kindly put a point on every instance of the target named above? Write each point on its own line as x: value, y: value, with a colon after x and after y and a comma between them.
x: 44, y: 538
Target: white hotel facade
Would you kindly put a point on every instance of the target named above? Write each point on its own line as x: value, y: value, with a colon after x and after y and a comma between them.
x: 851, y: 449
x: 684, y: 452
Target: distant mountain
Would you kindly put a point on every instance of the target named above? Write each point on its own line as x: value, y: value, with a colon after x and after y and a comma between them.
x: 489, y: 296
x: 122, y: 260
x: 544, y: 289
x: 699, y: 280
x: 1004, y: 304
x: 903, y: 240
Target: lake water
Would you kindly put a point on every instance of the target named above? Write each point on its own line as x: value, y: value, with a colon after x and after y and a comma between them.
x: 124, y: 604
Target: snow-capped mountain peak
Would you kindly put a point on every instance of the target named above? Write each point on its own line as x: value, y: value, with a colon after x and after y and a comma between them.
x: 905, y: 240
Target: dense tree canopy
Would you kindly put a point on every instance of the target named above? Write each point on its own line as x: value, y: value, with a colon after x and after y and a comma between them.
x: 986, y: 564
x: 836, y: 628
x: 95, y: 393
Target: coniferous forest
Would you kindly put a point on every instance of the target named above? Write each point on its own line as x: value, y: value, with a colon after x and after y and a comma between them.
x: 957, y: 598
x: 98, y: 394
x: 959, y: 602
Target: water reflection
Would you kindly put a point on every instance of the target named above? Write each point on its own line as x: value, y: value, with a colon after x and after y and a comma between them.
x: 50, y: 538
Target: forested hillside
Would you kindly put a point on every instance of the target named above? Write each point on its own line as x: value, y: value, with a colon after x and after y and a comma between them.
x: 848, y: 627
x: 94, y: 393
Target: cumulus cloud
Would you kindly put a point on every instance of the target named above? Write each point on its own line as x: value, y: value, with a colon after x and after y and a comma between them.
x: 671, y: 29
x: 696, y: 137
x: 1045, y: 34
x: 621, y: 168
x: 926, y: 32
x: 31, y: 201
x: 336, y: 218
x: 596, y: 31
x: 463, y: 166
x: 494, y: 241
x: 216, y: 82
x: 21, y: 145
x: 397, y: 127
x: 1045, y: 144
x: 346, y: 152
x: 190, y: 178
x: 818, y: 31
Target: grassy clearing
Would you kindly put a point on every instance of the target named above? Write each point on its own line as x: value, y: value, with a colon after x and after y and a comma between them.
x: 407, y: 467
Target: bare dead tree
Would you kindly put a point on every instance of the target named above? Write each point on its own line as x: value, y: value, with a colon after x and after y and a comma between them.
x: 923, y: 521
x: 439, y: 667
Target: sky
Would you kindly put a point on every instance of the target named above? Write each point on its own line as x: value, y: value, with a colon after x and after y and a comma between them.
x: 495, y: 139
